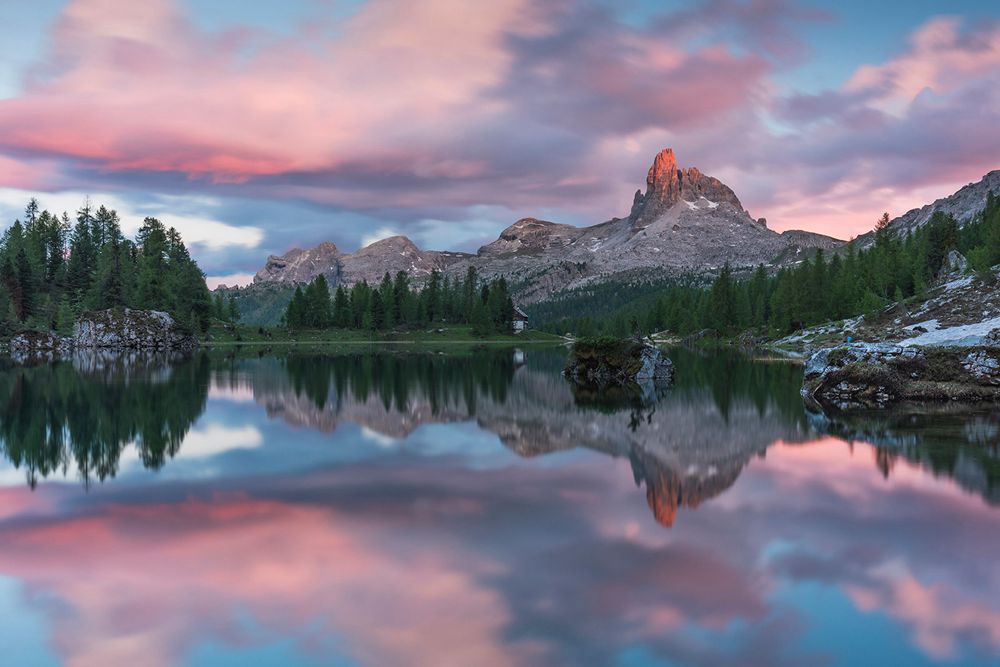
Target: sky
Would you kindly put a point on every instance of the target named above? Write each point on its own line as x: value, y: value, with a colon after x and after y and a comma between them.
x: 257, y: 127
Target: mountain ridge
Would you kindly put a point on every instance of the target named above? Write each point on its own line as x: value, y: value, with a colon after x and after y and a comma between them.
x: 685, y: 222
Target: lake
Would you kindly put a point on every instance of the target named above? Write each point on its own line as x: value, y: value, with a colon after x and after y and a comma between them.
x: 471, y: 508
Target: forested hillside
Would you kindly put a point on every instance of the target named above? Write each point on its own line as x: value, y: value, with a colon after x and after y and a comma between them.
x: 53, y: 268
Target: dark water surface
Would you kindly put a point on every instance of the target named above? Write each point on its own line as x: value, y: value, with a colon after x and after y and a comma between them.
x: 471, y: 509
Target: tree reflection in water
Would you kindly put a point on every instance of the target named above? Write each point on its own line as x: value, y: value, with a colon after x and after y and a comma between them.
x: 87, y: 410
x: 686, y: 444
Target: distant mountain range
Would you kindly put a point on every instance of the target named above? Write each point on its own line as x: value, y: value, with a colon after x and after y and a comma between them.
x: 684, y: 223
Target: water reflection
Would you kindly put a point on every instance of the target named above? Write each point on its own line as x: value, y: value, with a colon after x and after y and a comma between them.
x: 686, y: 446
x: 415, y: 509
x: 960, y: 442
x: 87, y: 410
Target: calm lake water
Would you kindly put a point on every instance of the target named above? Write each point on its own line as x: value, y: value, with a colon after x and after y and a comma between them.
x: 470, y: 509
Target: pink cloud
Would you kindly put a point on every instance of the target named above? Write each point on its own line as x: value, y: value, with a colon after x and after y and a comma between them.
x: 288, y: 566
x: 942, y: 57
x: 896, y: 135
x: 424, y: 103
x: 140, y: 87
x: 529, y: 105
x: 938, y: 616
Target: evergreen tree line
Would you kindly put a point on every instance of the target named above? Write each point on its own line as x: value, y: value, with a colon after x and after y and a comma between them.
x: 52, y: 269
x: 851, y: 282
x: 486, y: 306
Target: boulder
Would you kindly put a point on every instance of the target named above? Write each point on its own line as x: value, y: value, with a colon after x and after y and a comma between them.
x: 605, y: 362
x: 955, y: 266
x: 132, y: 330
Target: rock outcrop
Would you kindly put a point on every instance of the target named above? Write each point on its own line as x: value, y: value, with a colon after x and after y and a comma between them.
x: 28, y: 342
x: 130, y: 329
x: 875, y: 375
x: 609, y: 362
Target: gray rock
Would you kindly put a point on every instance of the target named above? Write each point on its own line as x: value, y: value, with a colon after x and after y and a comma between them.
x: 955, y: 266
x: 38, y: 341
x: 992, y: 339
x: 876, y: 374
x: 655, y: 367
x: 618, y: 363
x: 983, y: 366
x: 823, y: 379
x: 131, y: 329
x: 827, y: 360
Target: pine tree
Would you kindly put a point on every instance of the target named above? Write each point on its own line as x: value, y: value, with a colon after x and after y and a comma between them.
x: 233, y: 310
x: 341, y: 309
x: 480, y: 319
x: 721, y: 302
x: 317, y: 295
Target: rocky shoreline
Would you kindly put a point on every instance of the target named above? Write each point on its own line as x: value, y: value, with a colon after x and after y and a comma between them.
x: 876, y: 375
x: 107, y: 330
x: 608, y: 363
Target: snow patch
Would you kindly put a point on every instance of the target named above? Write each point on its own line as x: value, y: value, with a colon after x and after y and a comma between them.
x: 966, y: 334
x: 957, y: 283
x: 696, y: 205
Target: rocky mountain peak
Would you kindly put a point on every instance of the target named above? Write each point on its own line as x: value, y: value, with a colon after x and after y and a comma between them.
x: 663, y: 178
x: 530, y: 236
x: 963, y: 205
x: 526, y: 225
x: 667, y: 184
x: 398, y: 244
x: 299, y: 265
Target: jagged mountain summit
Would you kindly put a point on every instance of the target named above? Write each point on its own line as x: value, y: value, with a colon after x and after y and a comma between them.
x: 684, y: 223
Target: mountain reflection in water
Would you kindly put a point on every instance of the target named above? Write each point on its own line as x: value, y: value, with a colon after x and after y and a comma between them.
x: 473, y: 508
x: 685, y: 447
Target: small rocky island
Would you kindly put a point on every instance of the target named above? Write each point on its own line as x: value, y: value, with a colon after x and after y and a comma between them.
x: 876, y: 375
x: 113, y: 329
x: 611, y: 362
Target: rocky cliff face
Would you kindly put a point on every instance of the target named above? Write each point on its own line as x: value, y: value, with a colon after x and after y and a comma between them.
x: 105, y: 334
x: 391, y: 255
x: 131, y: 329
x: 685, y: 222
x: 301, y: 266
